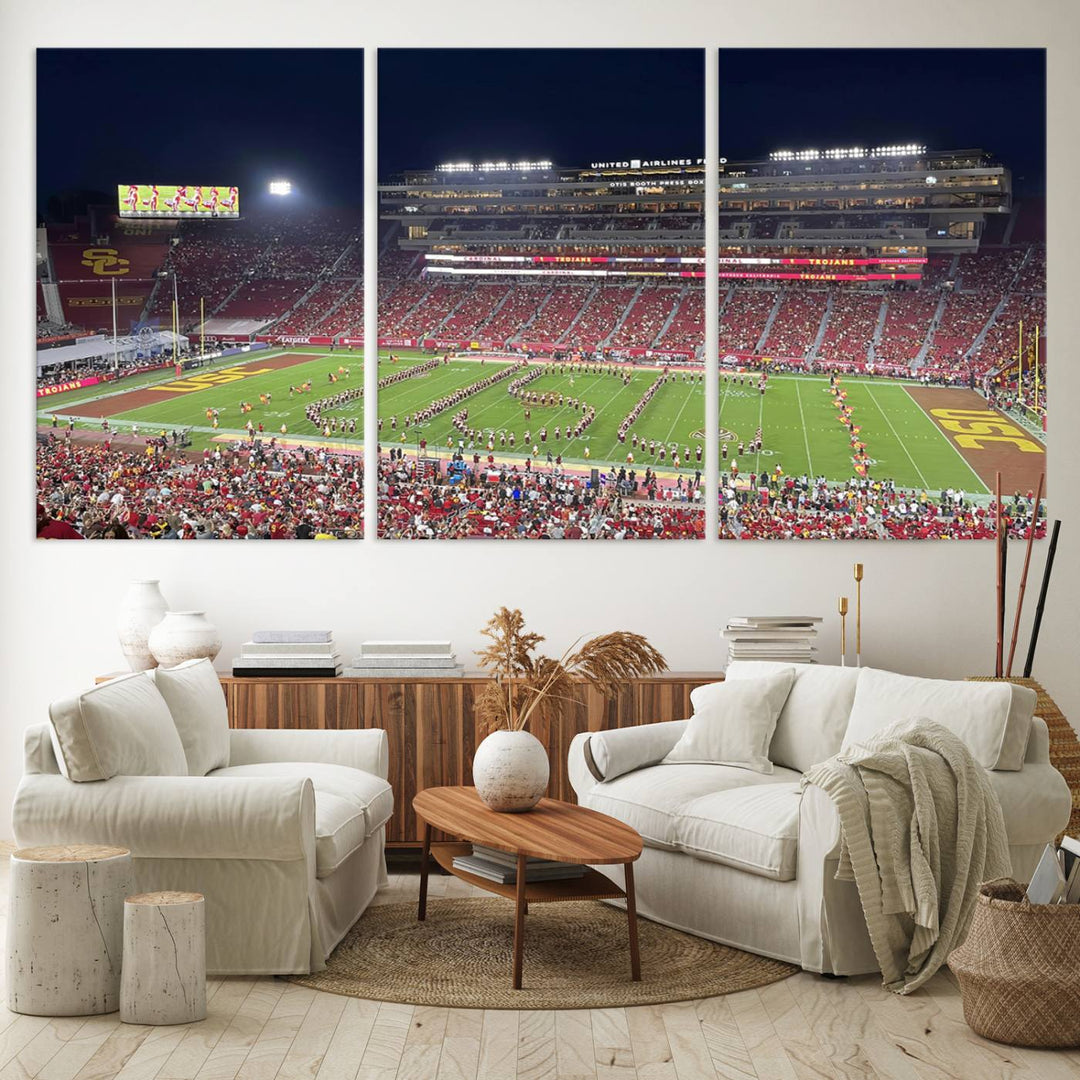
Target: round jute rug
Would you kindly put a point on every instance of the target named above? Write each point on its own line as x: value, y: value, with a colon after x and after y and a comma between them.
x: 576, y: 957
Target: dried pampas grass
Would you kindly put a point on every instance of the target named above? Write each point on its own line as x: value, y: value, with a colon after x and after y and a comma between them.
x: 526, y: 685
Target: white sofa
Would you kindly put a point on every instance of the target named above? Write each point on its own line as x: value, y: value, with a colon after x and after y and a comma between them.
x: 745, y: 858
x: 284, y: 834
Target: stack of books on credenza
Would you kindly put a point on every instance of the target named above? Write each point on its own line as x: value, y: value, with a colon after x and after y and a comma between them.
x: 405, y: 660
x: 786, y: 639
x: 292, y: 654
x: 501, y: 866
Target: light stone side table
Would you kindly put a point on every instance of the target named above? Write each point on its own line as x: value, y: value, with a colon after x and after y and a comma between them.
x: 65, y: 929
x: 164, y: 980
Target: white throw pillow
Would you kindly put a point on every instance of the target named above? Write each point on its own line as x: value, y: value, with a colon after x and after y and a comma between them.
x: 121, y: 728
x: 733, y: 722
x: 193, y: 693
x: 993, y: 720
x: 812, y: 722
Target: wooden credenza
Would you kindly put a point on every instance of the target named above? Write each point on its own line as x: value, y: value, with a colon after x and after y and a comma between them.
x: 431, y: 725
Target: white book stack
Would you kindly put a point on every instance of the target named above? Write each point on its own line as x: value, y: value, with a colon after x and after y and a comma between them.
x: 289, y: 653
x: 405, y: 660
x: 1056, y: 879
x: 786, y: 639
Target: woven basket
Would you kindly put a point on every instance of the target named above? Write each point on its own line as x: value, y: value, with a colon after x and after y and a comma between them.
x: 1019, y: 969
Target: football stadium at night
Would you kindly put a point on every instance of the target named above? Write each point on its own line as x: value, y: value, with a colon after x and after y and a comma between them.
x: 882, y: 342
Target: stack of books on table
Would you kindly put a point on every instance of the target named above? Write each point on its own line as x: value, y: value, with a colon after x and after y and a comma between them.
x: 787, y: 639
x: 501, y: 866
x: 405, y: 660
x: 291, y: 653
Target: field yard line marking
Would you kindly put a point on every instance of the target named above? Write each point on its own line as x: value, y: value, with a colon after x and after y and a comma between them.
x: 678, y: 416
x: 896, y: 435
x: 952, y: 446
x: 806, y: 438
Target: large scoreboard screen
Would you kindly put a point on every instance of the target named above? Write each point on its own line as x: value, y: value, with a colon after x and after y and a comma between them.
x: 163, y: 201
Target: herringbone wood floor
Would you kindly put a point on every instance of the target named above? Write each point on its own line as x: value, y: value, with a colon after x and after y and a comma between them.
x: 805, y: 1028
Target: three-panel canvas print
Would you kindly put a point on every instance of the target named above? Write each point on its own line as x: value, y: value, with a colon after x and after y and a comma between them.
x: 544, y: 276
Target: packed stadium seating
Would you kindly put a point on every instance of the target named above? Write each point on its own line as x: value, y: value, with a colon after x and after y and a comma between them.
x: 795, y: 326
x: 646, y: 318
x: 601, y: 314
x: 475, y: 309
x: 687, y: 328
x: 554, y: 318
x: 743, y: 316
x: 850, y: 329
x: 908, y: 316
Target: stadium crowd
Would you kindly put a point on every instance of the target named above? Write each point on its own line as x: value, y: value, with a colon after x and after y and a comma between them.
x: 511, y: 502
x: 804, y: 508
x: 255, y: 491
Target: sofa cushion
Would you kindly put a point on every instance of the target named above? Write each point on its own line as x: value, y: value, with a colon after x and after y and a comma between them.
x: 119, y: 728
x: 733, y: 722
x: 340, y: 828
x: 366, y: 792
x: 654, y: 800
x: 751, y: 828
x: 811, y: 725
x: 992, y: 719
x: 193, y: 693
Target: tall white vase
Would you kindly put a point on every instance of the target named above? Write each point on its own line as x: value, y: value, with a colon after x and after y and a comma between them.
x: 142, y: 608
x: 184, y: 635
x: 510, y: 771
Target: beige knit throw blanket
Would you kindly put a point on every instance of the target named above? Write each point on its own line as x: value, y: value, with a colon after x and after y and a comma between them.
x: 921, y: 829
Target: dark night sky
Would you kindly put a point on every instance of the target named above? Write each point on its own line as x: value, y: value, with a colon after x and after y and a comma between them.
x: 571, y: 106
x: 203, y: 116
x: 947, y: 99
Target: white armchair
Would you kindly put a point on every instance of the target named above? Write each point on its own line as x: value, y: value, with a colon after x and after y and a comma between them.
x: 286, y: 841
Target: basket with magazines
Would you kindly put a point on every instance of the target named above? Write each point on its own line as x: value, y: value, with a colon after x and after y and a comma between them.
x: 1019, y: 969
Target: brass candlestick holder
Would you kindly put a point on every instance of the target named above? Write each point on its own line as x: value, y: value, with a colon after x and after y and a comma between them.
x: 842, y: 607
x: 858, y: 614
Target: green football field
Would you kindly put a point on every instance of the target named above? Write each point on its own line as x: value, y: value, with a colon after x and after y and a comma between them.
x: 676, y: 414
x: 796, y: 414
x: 803, y: 435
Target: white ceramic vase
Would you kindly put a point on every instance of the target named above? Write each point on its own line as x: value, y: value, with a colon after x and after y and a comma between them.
x: 510, y: 771
x: 142, y: 609
x: 184, y: 635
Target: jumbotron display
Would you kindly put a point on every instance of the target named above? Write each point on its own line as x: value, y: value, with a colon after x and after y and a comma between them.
x: 166, y: 201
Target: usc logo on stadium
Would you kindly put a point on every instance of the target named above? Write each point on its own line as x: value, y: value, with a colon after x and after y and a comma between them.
x: 100, y: 259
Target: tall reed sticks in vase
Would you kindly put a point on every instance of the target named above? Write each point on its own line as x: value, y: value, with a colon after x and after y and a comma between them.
x: 858, y: 614
x: 841, y: 607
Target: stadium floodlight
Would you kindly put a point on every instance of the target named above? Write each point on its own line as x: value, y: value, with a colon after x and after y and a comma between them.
x: 280, y: 187
x: 898, y: 150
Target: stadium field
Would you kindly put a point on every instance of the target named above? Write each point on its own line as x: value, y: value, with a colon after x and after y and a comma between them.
x: 170, y: 403
x: 906, y: 440
x: 676, y: 414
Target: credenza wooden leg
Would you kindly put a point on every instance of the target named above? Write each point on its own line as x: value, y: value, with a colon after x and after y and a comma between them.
x: 631, y: 917
x: 425, y: 858
x: 519, y: 921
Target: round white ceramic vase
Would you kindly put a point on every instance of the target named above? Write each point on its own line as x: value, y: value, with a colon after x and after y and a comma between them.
x: 143, y: 607
x: 184, y: 635
x: 510, y: 771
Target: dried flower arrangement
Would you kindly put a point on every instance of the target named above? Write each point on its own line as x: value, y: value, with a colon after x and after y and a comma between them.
x: 526, y: 685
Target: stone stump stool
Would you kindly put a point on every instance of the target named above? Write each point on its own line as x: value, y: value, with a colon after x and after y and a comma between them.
x: 65, y: 929
x: 164, y: 980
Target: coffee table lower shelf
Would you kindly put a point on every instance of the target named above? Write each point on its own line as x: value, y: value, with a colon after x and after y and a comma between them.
x: 591, y: 886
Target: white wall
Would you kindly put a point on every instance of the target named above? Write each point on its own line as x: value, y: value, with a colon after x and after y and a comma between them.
x: 928, y: 607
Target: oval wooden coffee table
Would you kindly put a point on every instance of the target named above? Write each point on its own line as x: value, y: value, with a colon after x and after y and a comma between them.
x: 553, y: 830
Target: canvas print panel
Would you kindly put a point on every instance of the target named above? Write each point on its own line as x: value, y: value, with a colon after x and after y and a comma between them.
x: 882, y: 339
x: 200, y: 297
x: 541, y: 301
